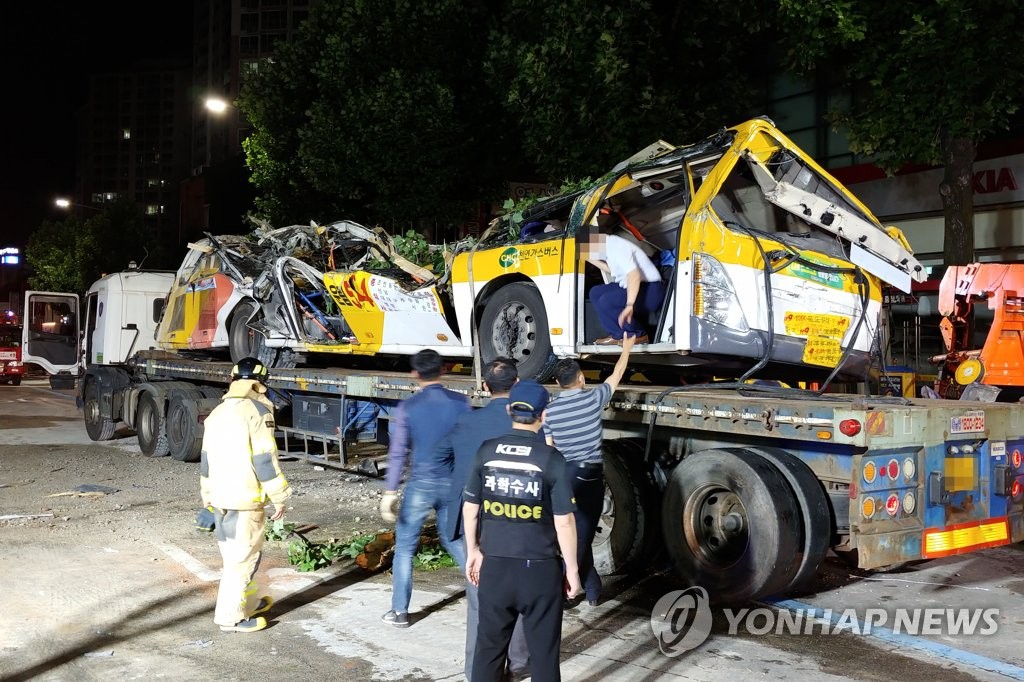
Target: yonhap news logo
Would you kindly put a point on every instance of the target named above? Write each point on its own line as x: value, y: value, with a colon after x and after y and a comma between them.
x: 682, y: 620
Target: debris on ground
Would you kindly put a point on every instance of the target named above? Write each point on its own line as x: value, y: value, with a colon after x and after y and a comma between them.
x: 12, y: 517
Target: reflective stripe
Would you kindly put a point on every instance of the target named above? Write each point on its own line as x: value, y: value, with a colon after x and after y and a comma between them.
x: 263, y: 465
x: 505, y: 464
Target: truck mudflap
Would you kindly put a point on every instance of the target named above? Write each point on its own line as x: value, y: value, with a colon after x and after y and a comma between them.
x: 952, y: 498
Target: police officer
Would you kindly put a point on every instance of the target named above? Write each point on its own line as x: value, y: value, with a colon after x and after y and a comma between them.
x: 519, y: 499
x: 238, y: 472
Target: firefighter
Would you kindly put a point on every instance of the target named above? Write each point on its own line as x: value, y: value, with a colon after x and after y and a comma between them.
x: 238, y: 473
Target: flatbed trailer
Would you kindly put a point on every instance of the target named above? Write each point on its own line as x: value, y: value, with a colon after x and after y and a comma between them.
x: 746, y: 487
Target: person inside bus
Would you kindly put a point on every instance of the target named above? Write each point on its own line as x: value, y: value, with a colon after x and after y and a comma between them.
x: 634, y: 289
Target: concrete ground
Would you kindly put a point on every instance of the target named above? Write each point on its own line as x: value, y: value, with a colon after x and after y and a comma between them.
x: 120, y: 586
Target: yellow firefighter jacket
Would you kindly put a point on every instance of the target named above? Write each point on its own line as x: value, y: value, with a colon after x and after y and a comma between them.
x: 239, y: 467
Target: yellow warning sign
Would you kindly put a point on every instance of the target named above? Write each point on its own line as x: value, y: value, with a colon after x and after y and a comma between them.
x: 822, y: 351
x: 816, y: 324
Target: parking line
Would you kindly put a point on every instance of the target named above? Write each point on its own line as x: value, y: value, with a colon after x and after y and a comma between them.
x: 911, y: 641
x: 189, y: 562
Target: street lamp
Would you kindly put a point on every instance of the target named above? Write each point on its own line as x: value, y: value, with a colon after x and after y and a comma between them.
x: 65, y: 204
x: 215, y: 105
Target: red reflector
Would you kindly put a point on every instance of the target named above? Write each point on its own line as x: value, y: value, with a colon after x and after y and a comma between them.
x: 849, y: 427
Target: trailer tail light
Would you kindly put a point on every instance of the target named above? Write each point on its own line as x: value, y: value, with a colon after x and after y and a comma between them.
x: 894, y: 469
x: 909, y: 503
x: 870, y: 472
x: 849, y: 427
x: 1015, y: 489
x: 867, y: 507
x: 965, y: 537
x: 909, y: 468
x: 1015, y: 458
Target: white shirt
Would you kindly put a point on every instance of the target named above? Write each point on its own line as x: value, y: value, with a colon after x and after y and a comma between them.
x: 623, y: 256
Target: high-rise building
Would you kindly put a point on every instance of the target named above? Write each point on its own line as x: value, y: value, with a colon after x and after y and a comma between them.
x: 133, y: 142
x: 231, y: 39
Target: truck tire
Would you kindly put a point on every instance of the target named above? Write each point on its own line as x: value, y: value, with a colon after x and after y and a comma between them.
x: 622, y: 531
x: 97, y: 424
x: 814, y: 511
x: 515, y: 325
x: 731, y: 525
x: 150, y: 425
x: 184, y: 432
x: 16, y: 381
x: 245, y: 342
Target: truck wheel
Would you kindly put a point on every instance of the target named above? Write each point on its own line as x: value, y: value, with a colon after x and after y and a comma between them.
x: 185, y: 416
x: 244, y: 342
x: 184, y: 432
x: 97, y: 425
x: 814, y: 511
x: 621, y: 532
x: 514, y: 325
x: 731, y: 524
x: 150, y: 426
x: 16, y: 381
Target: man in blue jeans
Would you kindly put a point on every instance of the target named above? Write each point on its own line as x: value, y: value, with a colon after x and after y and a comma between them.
x: 471, y: 430
x: 418, y: 425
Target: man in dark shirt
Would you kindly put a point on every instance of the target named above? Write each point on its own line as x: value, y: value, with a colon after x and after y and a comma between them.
x: 424, y: 419
x: 519, y: 495
x: 471, y: 430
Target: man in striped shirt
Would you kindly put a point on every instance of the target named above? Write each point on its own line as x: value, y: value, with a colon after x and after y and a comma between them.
x: 573, y: 426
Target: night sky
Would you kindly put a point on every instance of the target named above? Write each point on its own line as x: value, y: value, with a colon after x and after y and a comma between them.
x: 49, y: 50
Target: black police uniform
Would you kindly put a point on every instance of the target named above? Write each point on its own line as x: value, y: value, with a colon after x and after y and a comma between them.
x: 520, y: 483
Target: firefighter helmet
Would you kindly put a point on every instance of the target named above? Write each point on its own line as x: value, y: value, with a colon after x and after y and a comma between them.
x: 249, y: 368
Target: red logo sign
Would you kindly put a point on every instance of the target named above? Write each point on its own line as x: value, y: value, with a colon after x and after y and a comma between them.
x: 993, y: 180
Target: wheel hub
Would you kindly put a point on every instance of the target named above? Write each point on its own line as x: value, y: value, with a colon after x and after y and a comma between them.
x: 515, y: 331
x: 715, y: 526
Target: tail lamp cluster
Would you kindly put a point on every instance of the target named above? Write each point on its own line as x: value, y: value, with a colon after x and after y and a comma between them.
x: 889, y: 502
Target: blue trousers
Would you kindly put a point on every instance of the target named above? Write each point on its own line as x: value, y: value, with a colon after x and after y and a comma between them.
x: 419, y: 499
x: 610, y: 299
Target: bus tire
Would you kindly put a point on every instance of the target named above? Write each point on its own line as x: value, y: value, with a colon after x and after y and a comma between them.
x: 731, y: 524
x: 515, y: 325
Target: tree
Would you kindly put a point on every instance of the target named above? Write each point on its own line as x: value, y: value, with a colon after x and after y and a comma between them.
x: 374, y: 110
x: 58, y: 254
x: 70, y: 254
x: 931, y: 79
x: 590, y: 84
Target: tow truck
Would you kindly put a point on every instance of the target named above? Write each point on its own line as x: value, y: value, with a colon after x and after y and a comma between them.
x: 746, y: 486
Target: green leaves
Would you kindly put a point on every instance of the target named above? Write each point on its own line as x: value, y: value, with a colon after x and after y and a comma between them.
x: 432, y: 558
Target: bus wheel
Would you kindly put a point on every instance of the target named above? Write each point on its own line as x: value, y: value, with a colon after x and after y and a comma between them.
x: 731, y: 525
x: 514, y: 325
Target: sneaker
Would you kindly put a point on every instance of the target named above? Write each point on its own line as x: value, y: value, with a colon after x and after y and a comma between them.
x: 266, y: 601
x: 247, y: 625
x: 399, y: 620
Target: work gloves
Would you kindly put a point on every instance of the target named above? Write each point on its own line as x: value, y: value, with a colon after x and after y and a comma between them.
x: 389, y: 507
x: 204, y: 520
